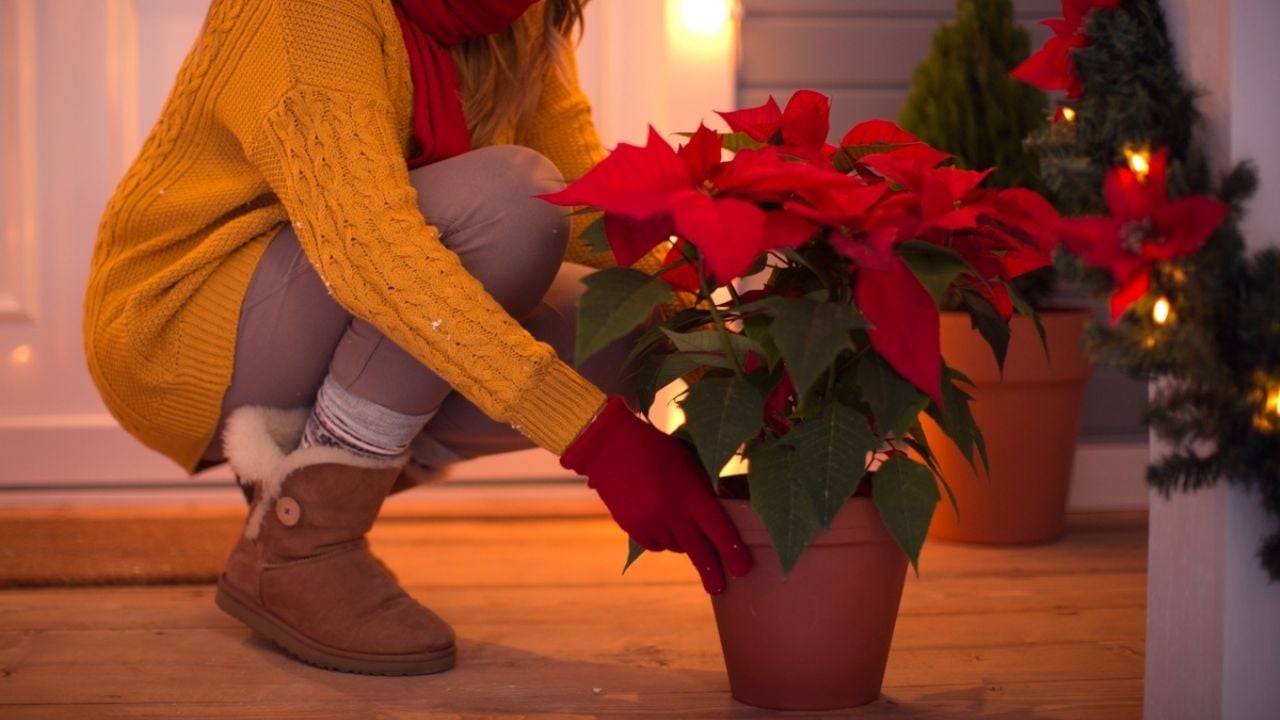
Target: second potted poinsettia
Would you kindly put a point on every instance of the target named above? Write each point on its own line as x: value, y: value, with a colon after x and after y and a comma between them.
x: 818, y: 378
x: 1029, y: 407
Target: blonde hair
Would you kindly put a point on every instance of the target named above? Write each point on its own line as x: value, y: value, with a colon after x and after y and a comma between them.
x: 501, y: 75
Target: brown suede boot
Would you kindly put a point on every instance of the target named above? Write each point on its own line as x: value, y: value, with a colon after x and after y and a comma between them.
x: 302, y: 574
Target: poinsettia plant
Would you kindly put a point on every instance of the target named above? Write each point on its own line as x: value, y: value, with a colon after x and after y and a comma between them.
x: 812, y: 276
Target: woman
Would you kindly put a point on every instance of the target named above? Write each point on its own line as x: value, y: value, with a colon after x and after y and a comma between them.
x: 328, y: 266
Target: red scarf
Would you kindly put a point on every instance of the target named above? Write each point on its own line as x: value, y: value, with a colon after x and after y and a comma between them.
x: 430, y: 28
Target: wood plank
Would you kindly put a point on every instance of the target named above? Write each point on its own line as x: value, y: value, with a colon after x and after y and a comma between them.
x: 1051, y: 600
x: 549, y: 629
x: 109, y: 665
x: 1088, y: 700
x: 1096, y: 553
x: 468, y: 552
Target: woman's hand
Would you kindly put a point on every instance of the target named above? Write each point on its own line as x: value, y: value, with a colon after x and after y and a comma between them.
x: 657, y: 492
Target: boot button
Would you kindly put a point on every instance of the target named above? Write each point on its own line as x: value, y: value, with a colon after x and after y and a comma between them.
x: 288, y: 511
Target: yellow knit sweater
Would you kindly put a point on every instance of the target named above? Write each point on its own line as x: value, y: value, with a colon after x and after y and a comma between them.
x: 299, y: 111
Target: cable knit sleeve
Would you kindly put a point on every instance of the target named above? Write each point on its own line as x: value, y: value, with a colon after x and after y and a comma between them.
x: 334, y: 160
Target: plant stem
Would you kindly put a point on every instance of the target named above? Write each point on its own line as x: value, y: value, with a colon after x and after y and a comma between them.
x: 718, y: 319
x: 733, y: 293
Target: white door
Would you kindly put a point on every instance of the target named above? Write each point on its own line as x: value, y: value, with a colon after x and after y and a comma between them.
x: 80, y: 83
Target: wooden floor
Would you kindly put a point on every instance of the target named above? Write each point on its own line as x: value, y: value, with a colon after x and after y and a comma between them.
x: 549, y: 629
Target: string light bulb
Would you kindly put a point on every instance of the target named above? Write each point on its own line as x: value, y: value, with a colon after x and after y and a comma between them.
x: 1162, y: 311
x: 1139, y: 162
x: 1267, y: 396
x: 1068, y: 114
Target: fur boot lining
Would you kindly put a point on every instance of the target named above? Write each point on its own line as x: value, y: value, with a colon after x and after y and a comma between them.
x: 257, y: 439
x: 260, y: 444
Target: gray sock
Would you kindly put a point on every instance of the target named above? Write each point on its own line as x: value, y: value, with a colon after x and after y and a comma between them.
x: 343, y: 420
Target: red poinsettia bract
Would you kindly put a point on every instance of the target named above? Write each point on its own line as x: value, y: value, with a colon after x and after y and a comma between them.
x: 1051, y: 68
x: 1000, y: 234
x: 788, y: 192
x: 801, y: 128
x: 1145, y: 227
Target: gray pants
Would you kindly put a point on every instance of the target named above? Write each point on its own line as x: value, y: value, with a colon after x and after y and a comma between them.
x: 292, y: 333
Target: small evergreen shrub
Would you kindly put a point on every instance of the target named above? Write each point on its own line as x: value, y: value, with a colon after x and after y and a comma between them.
x: 963, y: 101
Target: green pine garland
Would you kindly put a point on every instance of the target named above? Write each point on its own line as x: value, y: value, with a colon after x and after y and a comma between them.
x: 1216, y: 362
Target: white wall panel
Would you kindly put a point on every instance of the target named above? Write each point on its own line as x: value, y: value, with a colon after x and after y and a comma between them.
x: 19, y: 281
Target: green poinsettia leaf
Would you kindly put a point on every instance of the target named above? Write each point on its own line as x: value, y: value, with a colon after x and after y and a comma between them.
x: 810, y: 334
x: 934, y: 266
x: 594, y: 237
x: 919, y: 444
x: 675, y: 366
x: 756, y: 327
x: 644, y: 364
x: 733, y: 142
x: 831, y: 454
x: 987, y: 321
x: 721, y: 414
x: 781, y: 500
x: 648, y: 342
x: 906, y: 495
x: 918, y: 441
x: 1024, y: 307
x: 642, y: 380
x: 957, y: 419
x: 616, y: 301
x: 711, y: 342
x: 634, y: 551
x: 895, y: 403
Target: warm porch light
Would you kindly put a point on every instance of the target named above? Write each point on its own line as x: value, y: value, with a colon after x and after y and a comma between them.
x: 20, y: 355
x: 705, y: 17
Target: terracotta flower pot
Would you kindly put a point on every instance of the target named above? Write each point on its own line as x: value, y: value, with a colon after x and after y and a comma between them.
x: 1030, y: 420
x: 819, y: 640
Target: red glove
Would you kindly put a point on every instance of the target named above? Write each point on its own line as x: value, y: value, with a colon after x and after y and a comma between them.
x: 657, y: 492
